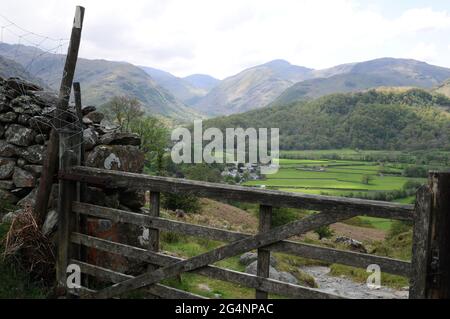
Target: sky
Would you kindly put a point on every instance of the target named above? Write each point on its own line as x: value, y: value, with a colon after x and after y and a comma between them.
x: 223, y: 37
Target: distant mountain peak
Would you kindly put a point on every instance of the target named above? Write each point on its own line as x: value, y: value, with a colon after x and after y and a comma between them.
x: 278, y: 62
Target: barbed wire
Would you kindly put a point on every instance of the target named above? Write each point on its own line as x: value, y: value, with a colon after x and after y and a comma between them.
x: 35, y: 63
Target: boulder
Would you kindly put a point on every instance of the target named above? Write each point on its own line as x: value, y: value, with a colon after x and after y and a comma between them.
x: 2, y: 131
x: 248, y: 258
x: 40, y: 139
x: 7, y: 197
x: 124, y: 158
x: 19, y: 135
x: 119, y: 138
x: 180, y: 213
x: 28, y: 200
x: 46, y: 98
x: 352, y: 244
x: 88, y: 109
x: 98, y: 197
x: 90, y: 139
x: 108, y: 126
x: 23, y: 178
x: 23, y: 119
x: 33, y: 154
x: 40, y: 123
x: 7, y: 166
x: 8, y: 150
x: 134, y: 200
x: 21, y: 162
x: 53, y: 200
x: 9, y: 218
x: 25, y: 104
x: 50, y: 222
x: 87, y: 121
x: 95, y: 117
x: 273, y: 273
x: 8, y: 117
x: 6, y: 185
x: 21, y: 86
x: 36, y: 170
x: 4, y: 105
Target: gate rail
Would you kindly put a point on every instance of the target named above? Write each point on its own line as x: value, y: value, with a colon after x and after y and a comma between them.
x: 331, y: 210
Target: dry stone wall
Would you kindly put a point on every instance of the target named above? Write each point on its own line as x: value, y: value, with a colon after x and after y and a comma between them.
x: 26, y: 112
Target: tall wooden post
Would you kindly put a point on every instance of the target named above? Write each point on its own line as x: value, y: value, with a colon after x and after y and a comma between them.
x: 263, y: 266
x: 421, y: 244
x: 69, y: 152
x: 431, y: 246
x: 440, y: 236
x: 51, y: 158
x: 154, y: 211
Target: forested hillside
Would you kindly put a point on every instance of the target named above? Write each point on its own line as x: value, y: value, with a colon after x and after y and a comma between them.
x: 376, y: 119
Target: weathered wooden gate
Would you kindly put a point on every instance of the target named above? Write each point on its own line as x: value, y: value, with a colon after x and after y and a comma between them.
x: 427, y: 272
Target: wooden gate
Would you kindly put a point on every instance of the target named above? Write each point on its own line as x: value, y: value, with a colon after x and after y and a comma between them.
x: 426, y: 280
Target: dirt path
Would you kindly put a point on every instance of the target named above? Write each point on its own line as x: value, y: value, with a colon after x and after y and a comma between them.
x: 359, y: 233
x: 348, y: 288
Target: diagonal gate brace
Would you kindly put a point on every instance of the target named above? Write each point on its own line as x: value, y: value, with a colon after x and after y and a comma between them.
x: 238, y: 247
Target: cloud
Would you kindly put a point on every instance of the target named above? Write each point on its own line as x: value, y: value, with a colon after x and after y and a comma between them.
x: 223, y: 37
x: 424, y: 52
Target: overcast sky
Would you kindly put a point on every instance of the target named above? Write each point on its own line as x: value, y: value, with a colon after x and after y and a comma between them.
x: 222, y: 37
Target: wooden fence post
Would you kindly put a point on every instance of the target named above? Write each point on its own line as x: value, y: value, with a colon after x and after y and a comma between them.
x: 154, y: 211
x: 69, y: 149
x: 421, y: 244
x: 439, y: 278
x: 51, y: 158
x: 431, y: 246
x: 263, y: 266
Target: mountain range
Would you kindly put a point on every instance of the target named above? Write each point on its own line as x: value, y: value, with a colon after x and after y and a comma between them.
x: 278, y: 82
x: 252, y: 88
x: 366, y: 75
x: 100, y: 80
x: 184, y: 98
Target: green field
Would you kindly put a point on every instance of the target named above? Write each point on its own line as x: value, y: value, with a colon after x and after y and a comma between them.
x: 352, y: 178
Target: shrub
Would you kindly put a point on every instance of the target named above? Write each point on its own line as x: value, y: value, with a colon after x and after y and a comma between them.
x: 188, y: 203
x: 324, y: 232
x: 399, y: 227
x: 415, y: 171
x: 282, y: 216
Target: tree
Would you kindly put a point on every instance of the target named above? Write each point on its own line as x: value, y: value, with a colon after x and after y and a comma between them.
x: 154, y: 139
x: 123, y: 111
x: 366, y: 179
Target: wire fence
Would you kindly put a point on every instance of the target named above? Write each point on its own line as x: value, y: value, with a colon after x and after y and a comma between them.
x: 39, y: 59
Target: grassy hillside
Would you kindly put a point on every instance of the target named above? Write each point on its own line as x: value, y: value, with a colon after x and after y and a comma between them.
x: 414, y: 119
x: 366, y: 75
x: 100, y: 80
x: 444, y: 88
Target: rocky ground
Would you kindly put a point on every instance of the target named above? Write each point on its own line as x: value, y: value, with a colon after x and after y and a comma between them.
x: 348, y: 288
